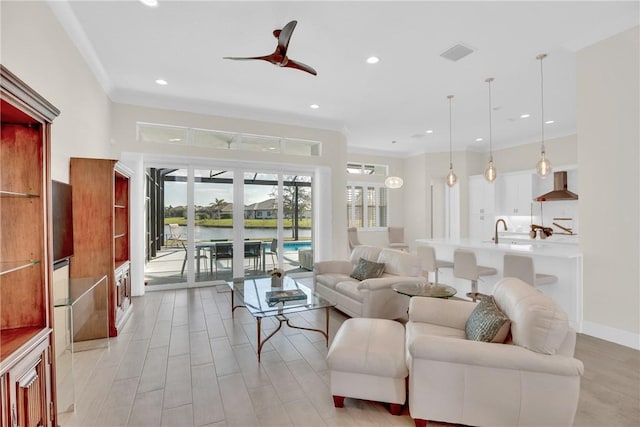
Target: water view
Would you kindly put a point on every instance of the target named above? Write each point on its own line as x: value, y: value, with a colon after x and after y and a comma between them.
x: 211, y: 233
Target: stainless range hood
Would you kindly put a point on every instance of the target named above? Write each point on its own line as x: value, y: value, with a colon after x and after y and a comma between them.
x: 560, y: 191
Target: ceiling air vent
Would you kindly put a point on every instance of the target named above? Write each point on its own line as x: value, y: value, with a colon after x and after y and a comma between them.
x: 456, y: 52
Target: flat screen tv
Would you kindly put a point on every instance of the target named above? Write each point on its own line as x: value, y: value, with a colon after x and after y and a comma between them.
x: 61, y: 221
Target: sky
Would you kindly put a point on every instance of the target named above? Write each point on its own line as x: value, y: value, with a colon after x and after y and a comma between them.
x: 176, y: 193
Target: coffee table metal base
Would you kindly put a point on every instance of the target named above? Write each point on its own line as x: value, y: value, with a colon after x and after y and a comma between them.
x: 282, y: 319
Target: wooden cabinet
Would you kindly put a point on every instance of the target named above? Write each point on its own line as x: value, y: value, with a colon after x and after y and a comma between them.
x: 481, y: 208
x: 101, y: 230
x: 25, y: 255
x: 26, y: 393
x: 516, y: 193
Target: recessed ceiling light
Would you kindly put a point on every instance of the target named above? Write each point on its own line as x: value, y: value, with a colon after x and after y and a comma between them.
x: 525, y: 116
x: 150, y: 3
x: 548, y: 122
x: 429, y: 131
x: 161, y: 82
x: 174, y: 139
x: 479, y: 139
x: 314, y: 106
x: 373, y: 60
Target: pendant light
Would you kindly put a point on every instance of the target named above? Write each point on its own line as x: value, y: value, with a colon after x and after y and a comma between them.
x: 393, y: 182
x: 451, y: 176
x: 544, y: 165
x: 490, y: 172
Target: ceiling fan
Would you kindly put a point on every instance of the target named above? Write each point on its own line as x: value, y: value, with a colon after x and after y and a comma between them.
x: 279, y: 56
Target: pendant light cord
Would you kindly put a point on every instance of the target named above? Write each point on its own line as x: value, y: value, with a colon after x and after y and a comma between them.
x: 489, y: 80
x: 450, y: 143
x: 541, y: 57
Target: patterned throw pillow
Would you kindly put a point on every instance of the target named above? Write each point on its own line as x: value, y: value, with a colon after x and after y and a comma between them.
x: 487, y: 323
x: 366, y: 269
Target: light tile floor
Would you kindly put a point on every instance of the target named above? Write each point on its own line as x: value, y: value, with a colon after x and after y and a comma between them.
x: 182, y: 360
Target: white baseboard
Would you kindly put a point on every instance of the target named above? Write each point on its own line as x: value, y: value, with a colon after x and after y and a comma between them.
x: 618, y: 336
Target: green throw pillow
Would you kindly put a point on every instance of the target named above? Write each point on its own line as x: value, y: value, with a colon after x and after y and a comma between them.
x: 487, y: 323
x: 366, y: 269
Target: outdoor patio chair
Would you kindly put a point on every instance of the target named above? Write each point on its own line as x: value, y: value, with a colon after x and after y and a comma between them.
x: 273, y: 251
x: 198, y: 256
x: 175, y: 236
x: 252, y: 253
x: 222, y: 251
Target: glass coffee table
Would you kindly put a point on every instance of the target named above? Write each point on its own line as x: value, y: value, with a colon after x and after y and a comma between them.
x: 425, y: 290
x: 251, y: 293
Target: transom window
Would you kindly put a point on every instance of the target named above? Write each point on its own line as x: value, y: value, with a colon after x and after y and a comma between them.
x: 221, y: 140
x: 366, y: 169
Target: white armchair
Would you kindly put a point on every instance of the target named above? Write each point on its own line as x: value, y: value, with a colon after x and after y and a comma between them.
x: 533, y: 380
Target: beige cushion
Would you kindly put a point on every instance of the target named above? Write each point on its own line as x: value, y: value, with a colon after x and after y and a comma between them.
x: 363, y: 251
x: 537, y: 322
x: 487, y: 323
x: 330, y: 280
x: 400, y: 263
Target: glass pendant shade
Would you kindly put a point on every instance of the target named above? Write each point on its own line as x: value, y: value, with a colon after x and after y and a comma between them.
x: 393, y: 182
x: 544, y: 166
x: 451, y: 178
x: 490, y: 172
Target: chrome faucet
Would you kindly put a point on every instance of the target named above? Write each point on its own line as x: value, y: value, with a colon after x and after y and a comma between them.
x: 495, y: 237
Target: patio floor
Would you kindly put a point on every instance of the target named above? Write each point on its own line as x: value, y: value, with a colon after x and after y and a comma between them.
x: 166, y: 267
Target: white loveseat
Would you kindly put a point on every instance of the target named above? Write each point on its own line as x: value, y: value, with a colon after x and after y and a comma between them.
x: 533, y: 380
x: 373, y: 297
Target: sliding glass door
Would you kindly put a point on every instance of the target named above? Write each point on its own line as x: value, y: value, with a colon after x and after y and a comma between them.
x: 197, y: 235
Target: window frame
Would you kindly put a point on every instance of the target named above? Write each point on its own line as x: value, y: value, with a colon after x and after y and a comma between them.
x: 352, y: 220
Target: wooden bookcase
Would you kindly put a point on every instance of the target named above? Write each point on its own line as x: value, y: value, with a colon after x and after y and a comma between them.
x: 27, y: 396
x: 101, y: 230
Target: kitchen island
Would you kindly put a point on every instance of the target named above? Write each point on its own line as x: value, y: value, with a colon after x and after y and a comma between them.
x: 561, y: 260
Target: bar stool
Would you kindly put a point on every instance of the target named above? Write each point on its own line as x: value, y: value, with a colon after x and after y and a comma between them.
x: 465, y: 266
x: 521, y: 266
x: 427, y: 255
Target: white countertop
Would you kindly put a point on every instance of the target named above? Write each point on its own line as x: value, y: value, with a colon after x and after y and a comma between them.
x: 533, y: 247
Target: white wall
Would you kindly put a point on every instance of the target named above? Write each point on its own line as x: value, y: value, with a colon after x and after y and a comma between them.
x: 608, y: 138
x: 36, y: 49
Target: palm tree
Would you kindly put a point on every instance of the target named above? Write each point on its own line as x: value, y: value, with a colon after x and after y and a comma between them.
x: 217, y: 207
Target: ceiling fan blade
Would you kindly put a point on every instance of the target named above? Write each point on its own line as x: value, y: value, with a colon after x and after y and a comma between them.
x: 243, y: 58
x: 300, y: 66
x: 284, y: 36
x: 269, y: 58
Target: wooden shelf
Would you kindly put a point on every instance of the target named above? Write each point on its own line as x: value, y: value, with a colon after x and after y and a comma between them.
x: 25, y: 267
x: 100, y: 190
x: 13, y: 339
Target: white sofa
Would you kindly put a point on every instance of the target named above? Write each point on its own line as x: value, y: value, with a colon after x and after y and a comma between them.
x: 370, y: 297
x: 533, y: 380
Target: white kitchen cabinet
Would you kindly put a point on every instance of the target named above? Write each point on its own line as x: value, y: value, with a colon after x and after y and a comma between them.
x: 481, y: 208
x: 514, y: 193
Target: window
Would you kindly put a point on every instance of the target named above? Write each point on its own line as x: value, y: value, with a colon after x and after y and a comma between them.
x: 221, y: 140
x: 366, y: 169
x: 367, y: 205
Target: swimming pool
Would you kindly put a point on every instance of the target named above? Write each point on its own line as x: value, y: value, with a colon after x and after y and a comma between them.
x: 294, y: 246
